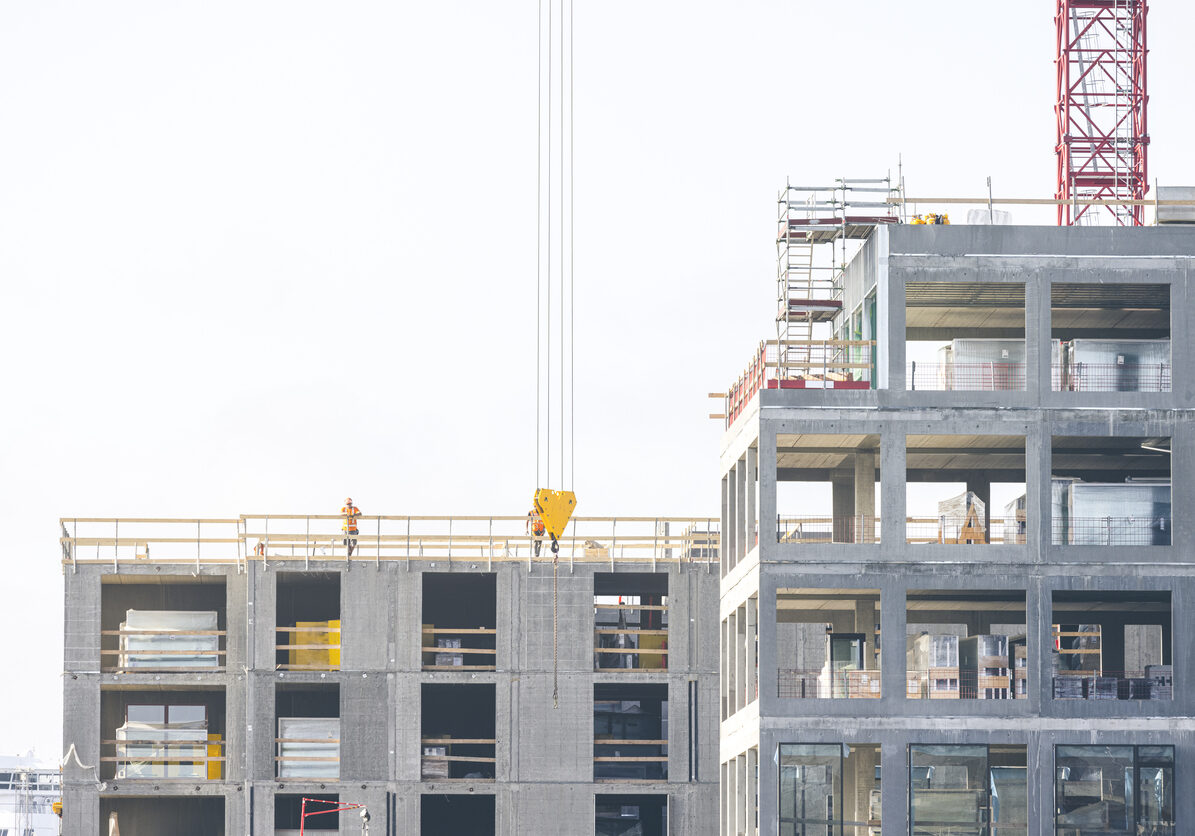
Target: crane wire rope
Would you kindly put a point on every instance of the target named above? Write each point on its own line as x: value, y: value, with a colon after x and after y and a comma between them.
x: 544, y: 264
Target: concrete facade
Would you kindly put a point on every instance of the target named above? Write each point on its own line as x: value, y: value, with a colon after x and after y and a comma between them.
x: 544, y: 755
x: 761, y: 567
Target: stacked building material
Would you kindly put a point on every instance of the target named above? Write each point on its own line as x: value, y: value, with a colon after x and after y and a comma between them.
x: 962, y: 519
x: 983, y: 667
x: 935, y: 659
x: 1020, y: 671
x: 863, y: 684
x: 435, y: 762
x: 316, y: 645
x: 309, y: 747
x: 449, y: 659
x: 166, y: 639
x: 1161, y: 681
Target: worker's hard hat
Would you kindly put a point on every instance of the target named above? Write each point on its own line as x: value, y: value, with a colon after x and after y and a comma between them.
x: 348, y: 501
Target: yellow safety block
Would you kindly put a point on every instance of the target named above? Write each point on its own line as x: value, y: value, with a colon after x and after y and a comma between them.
x: 555, y: 509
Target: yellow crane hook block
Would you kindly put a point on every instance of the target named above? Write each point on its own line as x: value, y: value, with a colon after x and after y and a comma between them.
x: 555, y: 509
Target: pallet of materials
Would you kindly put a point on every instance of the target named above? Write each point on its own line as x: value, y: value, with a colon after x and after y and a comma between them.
x: 863, y: 684
x: 308, y: 747
x: 167, y: 639
x: 942, y: 683
x: 315, y: 645
x: 435, y: 763
x: 1161, y: 681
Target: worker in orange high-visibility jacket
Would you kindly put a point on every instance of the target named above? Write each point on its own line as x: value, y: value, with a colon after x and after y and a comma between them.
x: 350, y: 512
x: 535, y: 527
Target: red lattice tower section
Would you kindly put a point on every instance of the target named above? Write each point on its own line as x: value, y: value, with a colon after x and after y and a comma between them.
x: 1102, y: 132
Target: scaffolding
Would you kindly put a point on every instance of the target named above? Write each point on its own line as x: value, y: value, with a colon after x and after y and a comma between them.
x: 814, y: 226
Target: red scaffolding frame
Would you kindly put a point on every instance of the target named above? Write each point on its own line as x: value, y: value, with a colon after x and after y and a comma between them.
x: 1102, y: 136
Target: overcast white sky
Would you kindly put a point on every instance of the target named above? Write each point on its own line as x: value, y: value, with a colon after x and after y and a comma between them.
x: 257, y: 255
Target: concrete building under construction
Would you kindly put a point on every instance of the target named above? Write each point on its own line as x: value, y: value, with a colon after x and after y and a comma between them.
x: 228, y: 676
x: 955, y: 585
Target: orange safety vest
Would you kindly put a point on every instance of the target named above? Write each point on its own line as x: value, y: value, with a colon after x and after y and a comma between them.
x: 537, y: 526
x: 351, y: 512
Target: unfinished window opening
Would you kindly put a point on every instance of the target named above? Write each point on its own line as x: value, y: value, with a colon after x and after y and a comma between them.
x: 1110, y: 491
x: 630, y: 621
x: 955, y: 486
x: 450, y: 813
x: 162, y: 734
x: 630, y: 815
x: 164, y: 624
x: 630, y: 732
x: 740, y: 657
x: 955, y: 789
x: 459, y: 621
x: 308, y: 621
x: 1110, y: 337
x: 308, y: 730
x: 320, y: 807
x: 827, y: 643
x: 830, y: 788
x: 1112, y: 645
x: 965, y: 336
x: 154, y: 816
x: 827, y: 488
x: 1113, y: 790
x: 967, y: 644
x: 457, y: 730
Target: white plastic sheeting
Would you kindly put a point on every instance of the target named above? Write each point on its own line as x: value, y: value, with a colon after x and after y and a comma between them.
x: 309, y: 737
x: 151, y: 742
x: 162, y: 633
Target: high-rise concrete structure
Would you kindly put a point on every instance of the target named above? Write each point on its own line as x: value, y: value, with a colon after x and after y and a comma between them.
x: 218, y: 672
x: 957, y: 593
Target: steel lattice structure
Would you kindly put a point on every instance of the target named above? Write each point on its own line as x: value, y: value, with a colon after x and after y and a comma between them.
x: 1101, y: 128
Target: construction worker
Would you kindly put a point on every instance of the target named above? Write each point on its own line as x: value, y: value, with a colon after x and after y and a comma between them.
x: 349, y: 527
x: 535, y: 527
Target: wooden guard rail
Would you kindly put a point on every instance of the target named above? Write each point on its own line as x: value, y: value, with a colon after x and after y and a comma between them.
x: 331, y: 664
x: 166, y: 754
x: 292, y: 538
x: 467, y: 634
x: 653, y: 659
x: 163, y: 668
x: 476, y: 751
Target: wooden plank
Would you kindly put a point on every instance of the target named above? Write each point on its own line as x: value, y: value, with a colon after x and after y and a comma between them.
x: 480, y: 631
x: 468, y: 740
x: 658, y: 651
x: 161, y: 759
x: 652, y: 607
x: 297, y: 758
x: 306, y: 739
x: 461, y: 650
x: 163, y: 652
x: 306, y: 629
x: 604, y: 742
x: 307, y: 647
x: 459, y: 758
x: 459, y: 667
x: 163, y: 633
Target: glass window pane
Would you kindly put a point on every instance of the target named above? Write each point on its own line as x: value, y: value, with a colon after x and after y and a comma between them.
x: 1155, y: 790
x: 146, y: 714
x: 811, y: 789
x: 188, y: 714
x: 948, y: 786
x: 1093, y: 789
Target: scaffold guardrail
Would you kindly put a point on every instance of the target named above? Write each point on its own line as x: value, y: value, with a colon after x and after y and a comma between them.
x: 303, y: 538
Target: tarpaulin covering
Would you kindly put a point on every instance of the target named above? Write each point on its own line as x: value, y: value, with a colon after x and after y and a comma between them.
x: 165, y: 631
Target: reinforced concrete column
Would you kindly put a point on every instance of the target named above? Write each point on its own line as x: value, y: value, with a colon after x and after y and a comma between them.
x: 740, y: 516
x: 893, y: 533
x: 865, y: 495
x: 751, y: 648
x: 842, y: 498
x: 767, y: 489
x: 751, y: 503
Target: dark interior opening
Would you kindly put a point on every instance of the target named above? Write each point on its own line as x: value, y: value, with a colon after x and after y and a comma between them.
x: 453, y: 713
x: 630, y: 815
x: 459, y: 815
x: 288, y: 808
x: 156, y: 816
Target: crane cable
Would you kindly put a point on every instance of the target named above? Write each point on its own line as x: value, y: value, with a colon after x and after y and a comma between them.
x: 543, y: 299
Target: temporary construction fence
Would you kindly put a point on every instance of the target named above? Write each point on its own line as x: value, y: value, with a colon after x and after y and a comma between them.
x: 291, y: 538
